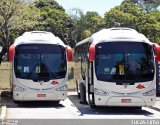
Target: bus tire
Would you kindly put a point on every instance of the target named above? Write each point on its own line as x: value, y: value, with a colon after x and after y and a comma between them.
x: 92, y: 106
x: 12, y: 92
x: 17, y: 102
x: 56, y: 102
x: 138, y: 108
x: 82, y: 93
x: 78, y: 94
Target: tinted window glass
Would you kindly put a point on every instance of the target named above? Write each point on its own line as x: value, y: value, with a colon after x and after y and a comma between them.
x: 124, y: 62
x: 40, y: 61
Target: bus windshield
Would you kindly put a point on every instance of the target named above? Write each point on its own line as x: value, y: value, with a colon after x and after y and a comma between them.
x: 122, y: 62
x: 40, y: 62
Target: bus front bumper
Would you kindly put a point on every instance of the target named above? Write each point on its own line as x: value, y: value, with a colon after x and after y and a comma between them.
x: 125, y: 101
x: 39, y: 96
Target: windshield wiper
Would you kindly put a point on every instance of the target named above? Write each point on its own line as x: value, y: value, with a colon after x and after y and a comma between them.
x: 128, y: 83
x: 40, y: 78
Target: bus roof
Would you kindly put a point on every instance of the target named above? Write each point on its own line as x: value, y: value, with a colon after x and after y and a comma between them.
x: 38, y: 37
x: 115, y: 34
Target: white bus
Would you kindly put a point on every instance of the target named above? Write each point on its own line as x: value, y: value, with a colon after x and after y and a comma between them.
x: 116, y: 67
x: 39, y: 67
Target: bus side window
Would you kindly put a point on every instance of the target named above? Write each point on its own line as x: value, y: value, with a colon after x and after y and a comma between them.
x: 84, y: 60
x: 75, y: 55
x: 79, y: 61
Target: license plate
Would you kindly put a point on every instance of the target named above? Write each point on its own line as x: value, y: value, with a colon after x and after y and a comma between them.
x: 126, y: 100
x: 41, y: 95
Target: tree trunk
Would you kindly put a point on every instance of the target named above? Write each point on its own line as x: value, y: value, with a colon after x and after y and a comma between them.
x: 6, y: 36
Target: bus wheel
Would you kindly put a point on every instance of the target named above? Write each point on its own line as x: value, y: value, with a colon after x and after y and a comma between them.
x: 78, y: 94
x: 12, y: 92
x: 93, y: 106
x: 56, y: 102
x: 82, y: 93
x: 17, y: 102
x: 137, y: 108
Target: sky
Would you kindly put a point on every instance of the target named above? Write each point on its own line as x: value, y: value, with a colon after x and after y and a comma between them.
x: 100, y: 6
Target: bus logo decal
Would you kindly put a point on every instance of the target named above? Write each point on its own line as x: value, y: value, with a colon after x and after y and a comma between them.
x: 54, y: 82
x: 140, y: 86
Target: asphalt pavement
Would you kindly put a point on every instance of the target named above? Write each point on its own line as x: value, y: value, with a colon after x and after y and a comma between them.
x: 157, y: 104
x: 71, y: 112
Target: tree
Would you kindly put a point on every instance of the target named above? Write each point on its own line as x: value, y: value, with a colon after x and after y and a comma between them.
x: 49, y: 3
x: 15, y: 17
x: 79, y: 25
x: 53, y: 18
x: 94, y: 21
x: 131, y: 15
x: 86, y: 34
x: 85, y: 24
x: 26, y: 19
x: 149, y: 25
x: 147, y: 5
x: 148, y: 22
x: 125, y: 15
x: 8, y: 8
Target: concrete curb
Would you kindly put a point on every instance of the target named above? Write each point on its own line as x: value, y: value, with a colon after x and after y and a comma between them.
x: 3, y: 112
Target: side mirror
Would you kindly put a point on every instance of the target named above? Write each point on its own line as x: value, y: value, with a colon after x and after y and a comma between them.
x: 11, y: 52
x: 69, y: 53
x: 92, y: 52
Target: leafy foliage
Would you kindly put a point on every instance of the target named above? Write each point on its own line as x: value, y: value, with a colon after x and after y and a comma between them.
x: 15, y: 17
x: 129, y: 14
x: 85, y: 24
x: 53, y: 18
x: 147, y: 5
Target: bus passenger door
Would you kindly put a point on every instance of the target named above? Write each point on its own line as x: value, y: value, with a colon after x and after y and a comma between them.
x: 88, y: 81
x: 90, y: 86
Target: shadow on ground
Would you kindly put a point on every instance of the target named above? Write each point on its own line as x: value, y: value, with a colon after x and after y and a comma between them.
x: 85, y: 109
x: 6, y: 99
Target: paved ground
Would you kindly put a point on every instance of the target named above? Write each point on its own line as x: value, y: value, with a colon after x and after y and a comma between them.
x: 71, y: 108
x: 70, y: 112
x: 157, y: 104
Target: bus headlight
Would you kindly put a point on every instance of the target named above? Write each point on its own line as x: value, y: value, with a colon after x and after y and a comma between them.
x: 63, y: 88
x: 149, y: 93
x: 19, y: 89
x: 100, y: 92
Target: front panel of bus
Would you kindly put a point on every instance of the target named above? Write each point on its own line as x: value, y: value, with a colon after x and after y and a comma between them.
x: 124, y: 74
x: 39, y: 72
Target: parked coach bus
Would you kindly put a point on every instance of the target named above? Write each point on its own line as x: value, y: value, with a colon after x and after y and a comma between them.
x: 116, y: 67
x: 39, y: 67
